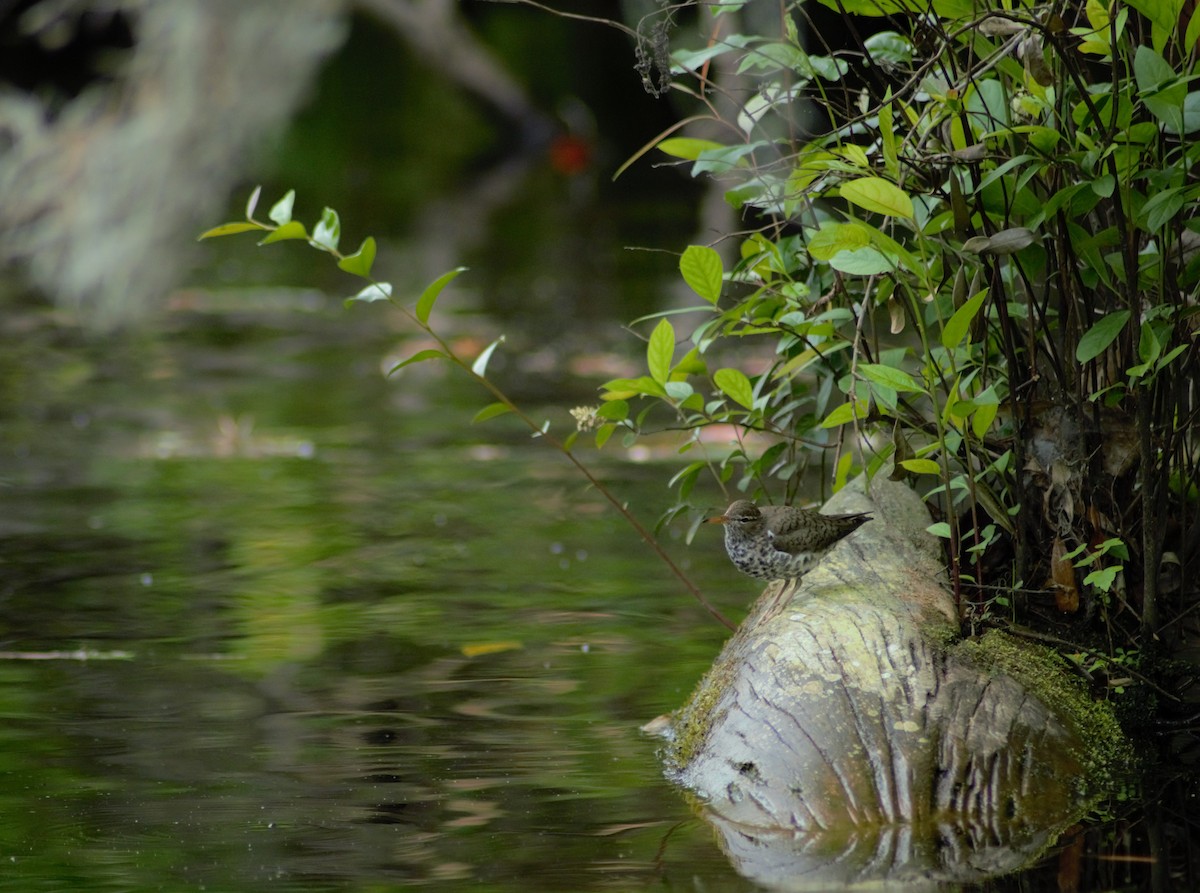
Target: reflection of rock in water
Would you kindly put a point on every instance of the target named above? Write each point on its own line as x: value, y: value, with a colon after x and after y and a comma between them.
x: 842, y: 735
x: 103, y: 192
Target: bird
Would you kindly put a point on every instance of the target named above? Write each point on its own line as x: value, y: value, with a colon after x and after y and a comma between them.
x: 776, y: 542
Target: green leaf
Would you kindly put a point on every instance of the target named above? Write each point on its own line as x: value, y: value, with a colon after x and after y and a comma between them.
x: 229, y: 229
x: 328, y: 230
x: 735, y: 385
x: 1149, y: 68
x: 359, y: 263
x: 376, y: 291
x: 1103, y: 578
x: 1162, y: 207
x: 678, y: 390
x: 430, y: 295
x: 941, y: 528
x: 660, y: 351
x: 888, y: 376
x: 703, y: 271
x: 490, y: 412
x: 614, y: 410
x: 879, y: 196
x: 624, y: 388
x: 281, y: 211
x: 430, y: 353
x: 846, y: 412
x: 293, y: 229
x: 834, y: 237
x: 869, y: 261
x: 1007, y: 241
x: 253, y: 202
x: 687, y: 147
x: 922, y: 466
x: 1097, y: 339
x: 959, y: 324
x: 982, y: 418
x: 479, y: 367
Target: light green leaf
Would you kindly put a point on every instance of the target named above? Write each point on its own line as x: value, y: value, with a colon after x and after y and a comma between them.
x: 678, y: 390
x: 430, y: 295
x: 624, y: 388
x: 281, y: 211
x: 687, y: 147
x: 1103, y: 578
x: 959, y: 324
x: 869, y: 261
x: 834, y: 237
x: 846, y: 412
x: 888, y: 376
x: 328, y: 230
x: 420, y: 356
x: 878, y: 195
x: 660, y: 351
x: 703, y: 271
x: 293, y: 229
x: 1097, y: 339
x: 359, y: 263
x: 229, y: 229
x: 922, y: 466
x: 490, y: 412
x: 982, y: 418
x: 253, y: 202
x: 941, y: 528
x: 1150, y: 69
x: 735, y: 385
x: 614, y: 410
x: 479, y: 367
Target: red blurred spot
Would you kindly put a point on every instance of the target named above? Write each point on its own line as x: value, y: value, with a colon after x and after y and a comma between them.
x: 570, y: 155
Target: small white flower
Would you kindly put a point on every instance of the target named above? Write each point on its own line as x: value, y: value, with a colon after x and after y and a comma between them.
x: 585, y: 417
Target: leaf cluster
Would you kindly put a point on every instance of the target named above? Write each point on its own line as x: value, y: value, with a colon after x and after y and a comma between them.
x: 983, y: 274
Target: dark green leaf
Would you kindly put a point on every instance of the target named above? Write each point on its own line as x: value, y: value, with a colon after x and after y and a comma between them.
x: 1100, y: 336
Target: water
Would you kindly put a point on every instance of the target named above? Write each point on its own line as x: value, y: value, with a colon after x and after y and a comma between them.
x: 272, y: 621
x: 270, y: 618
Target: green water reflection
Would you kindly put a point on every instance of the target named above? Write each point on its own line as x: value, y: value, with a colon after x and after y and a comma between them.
x: 337, y: 639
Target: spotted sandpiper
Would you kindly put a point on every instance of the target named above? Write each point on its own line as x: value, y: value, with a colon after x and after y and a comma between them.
x: 773, y: 542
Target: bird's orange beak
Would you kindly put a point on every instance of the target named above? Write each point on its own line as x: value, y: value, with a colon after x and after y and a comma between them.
x: 716, y: 519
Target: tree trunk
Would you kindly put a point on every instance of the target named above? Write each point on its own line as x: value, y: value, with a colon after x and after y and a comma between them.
x: 845, y: 733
